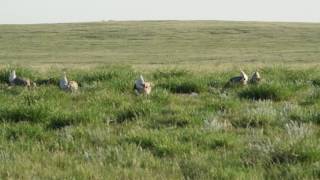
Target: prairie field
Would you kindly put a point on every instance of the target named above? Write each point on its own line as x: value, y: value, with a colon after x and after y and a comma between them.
x: 191, y: 126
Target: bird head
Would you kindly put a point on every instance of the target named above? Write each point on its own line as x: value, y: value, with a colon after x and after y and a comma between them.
x: 64, y: 75
x: 141, y: 79
x: 243, y: 74
x: 257, y: 75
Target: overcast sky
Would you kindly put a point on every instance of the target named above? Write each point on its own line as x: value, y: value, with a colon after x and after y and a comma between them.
x: 53, y: 11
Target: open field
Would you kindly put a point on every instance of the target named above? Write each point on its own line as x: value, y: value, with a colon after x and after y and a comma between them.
x: 198, y: 43
x: 105, y: 131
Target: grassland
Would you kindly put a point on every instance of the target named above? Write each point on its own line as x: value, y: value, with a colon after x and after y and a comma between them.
x: 105, y: 131
x: 206, y: 43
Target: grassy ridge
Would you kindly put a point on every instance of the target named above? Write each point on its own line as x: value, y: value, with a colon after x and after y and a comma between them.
x: 104, y: 131
x: 165, y: 42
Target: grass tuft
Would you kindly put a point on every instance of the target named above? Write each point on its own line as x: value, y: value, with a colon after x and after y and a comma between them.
x: 36, y: 113
x: 131, y: 113
x: 266, y: 92
x: 316, y: 82
x: 171, y: 121
x: 183, y: 87
x: 151, y: 145
x: 175, y: 73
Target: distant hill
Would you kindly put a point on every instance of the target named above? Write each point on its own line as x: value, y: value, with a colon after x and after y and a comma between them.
x: 161, y: 42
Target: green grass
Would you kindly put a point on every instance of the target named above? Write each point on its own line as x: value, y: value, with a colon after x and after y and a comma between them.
x: 105, y: 131
x: 196, y: 43
x: 266, y: 92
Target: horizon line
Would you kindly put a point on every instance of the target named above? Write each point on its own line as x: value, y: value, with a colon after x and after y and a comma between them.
x: 163, y: 20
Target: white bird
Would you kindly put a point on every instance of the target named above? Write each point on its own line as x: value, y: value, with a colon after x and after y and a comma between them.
x: 14, y: 80
x: 68, y: 85
x: 242, y: 79
x: 256, y: 78
x: 142, y: 87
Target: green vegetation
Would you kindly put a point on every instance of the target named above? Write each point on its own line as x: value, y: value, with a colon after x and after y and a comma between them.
x: 267, y: 130
x: 188, y: 43
x: 192, y: 126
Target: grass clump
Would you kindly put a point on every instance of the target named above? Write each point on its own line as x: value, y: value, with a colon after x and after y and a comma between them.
x: 133, y: 112
x: 127, y: 115
x: 262, y: 114
x: 290, y: 147
x: 175, y: 73
x: 207, y: 140
x: 312, y: 98
x: 186, y: 87
x: 182, y: 87
x: 24, y: 131
x: 34, y: 113
x: 63, y: 119
x: 180, y: 82
x: 192, y: 169
x: 105, y: 74
x: 171, y: 120
x: 306, y: 115
x: 266, y: 92
x: 54, y: 81
x: 316, y: 82
x: 154, y: 146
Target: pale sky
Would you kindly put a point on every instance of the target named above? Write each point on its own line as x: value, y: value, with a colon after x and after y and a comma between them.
x: 58, y: 11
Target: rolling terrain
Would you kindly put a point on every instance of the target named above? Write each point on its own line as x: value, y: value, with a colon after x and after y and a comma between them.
x: 192, y: 126
x: 161, y: 43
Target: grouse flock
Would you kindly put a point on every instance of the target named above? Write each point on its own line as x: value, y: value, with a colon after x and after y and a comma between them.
x: 140, y: 86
